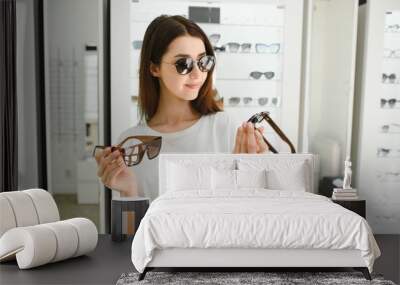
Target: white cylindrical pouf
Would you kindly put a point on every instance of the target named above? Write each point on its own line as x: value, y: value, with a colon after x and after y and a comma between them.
x: 45, y: 205
x: 87, y: 234
x: 34, y: 246
x: 23, y: 207
x: 66, y: 237
x: 7, y: 217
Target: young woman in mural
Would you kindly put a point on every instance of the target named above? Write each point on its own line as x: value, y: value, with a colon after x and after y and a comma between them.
x: 177, y: 102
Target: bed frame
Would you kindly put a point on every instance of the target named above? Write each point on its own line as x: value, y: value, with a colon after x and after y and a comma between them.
x: 246, y: 259
x: 240, y: 259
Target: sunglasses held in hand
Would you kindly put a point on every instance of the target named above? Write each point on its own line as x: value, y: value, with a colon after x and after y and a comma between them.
x: 259, y: 117
x: 133, y: 152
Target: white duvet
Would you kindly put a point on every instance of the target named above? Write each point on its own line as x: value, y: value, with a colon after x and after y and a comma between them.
x: 251, y: 218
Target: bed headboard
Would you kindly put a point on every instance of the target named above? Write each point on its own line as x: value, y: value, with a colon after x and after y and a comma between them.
x: 231, y: 161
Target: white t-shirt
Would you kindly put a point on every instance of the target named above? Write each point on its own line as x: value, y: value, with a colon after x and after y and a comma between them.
x: 210, y: 134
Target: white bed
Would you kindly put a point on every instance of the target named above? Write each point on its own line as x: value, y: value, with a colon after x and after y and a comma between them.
x: 215, y: 211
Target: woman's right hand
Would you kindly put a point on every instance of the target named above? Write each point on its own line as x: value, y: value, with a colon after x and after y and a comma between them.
x: 249, y: 139
x: 114, y: 173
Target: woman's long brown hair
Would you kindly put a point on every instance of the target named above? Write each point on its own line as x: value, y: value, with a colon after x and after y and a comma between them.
x: 159, y: 34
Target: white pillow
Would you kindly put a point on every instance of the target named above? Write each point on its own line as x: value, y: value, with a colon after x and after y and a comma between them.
x: 188, y: 177
x: 251, y: 178
x: 223, y: 179
x: 294, y: 178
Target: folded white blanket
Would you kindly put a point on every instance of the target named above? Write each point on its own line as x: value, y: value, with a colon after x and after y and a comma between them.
x: 252, y: 218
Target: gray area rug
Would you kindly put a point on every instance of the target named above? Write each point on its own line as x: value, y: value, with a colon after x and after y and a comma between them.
x: 228, y: 278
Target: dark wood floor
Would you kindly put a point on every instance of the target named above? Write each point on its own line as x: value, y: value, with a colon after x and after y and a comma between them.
x: 389, y: 262
x: 110, y: 260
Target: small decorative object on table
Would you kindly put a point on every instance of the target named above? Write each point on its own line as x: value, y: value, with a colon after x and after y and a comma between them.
x: 347, y: 192
x: 126, y: 214
x: 347, y: 196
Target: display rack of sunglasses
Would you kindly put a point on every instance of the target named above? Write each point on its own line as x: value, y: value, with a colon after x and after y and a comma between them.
x: 251, y: 51
x: 247, y: 101
x: 249, y: 79
x: 247, y: 48
x: 222, y: 24
x: 220, y: 53
x: 389, y: 79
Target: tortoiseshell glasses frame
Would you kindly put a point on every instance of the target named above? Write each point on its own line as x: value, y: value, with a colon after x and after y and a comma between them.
x: 259, y: 117
x: 133, y: 154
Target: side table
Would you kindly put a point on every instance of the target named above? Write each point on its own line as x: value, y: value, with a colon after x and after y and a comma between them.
x: 126, y: 214
x: 357, y: 206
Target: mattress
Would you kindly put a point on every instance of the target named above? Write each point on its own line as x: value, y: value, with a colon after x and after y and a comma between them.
x: 253, y: 218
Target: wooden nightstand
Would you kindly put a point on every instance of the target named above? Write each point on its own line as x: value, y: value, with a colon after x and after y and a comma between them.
x: 357, y: 206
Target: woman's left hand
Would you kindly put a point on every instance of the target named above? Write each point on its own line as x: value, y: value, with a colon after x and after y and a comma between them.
x: 249, y: 139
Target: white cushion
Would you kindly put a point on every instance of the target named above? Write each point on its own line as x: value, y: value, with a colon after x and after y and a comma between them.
x: 294, y: 178
x: 251, y: 178
x: 40, y: 244
x: 223, y: 179
x: 282, y: 173
x: 186, y: 177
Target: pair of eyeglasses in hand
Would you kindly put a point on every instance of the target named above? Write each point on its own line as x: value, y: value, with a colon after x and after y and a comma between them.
x: 264, y: 116
x: 132, y: 152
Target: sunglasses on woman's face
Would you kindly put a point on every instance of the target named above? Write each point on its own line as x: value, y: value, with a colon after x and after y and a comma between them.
x: 133, y: 152
x: 185, y: 65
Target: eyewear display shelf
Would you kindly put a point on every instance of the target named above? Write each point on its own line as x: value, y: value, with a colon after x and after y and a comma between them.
x: 258, y: 56
x: 377, y: 129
